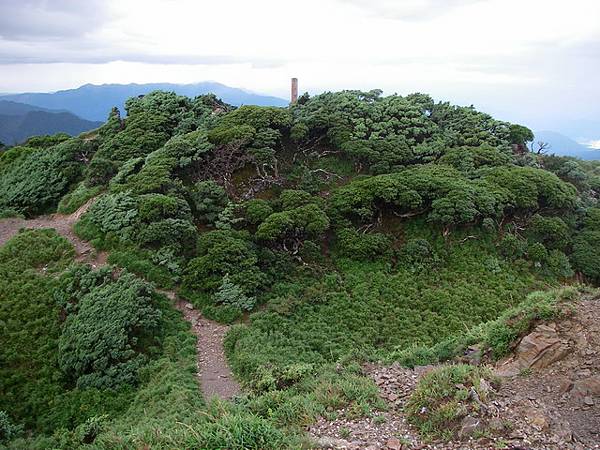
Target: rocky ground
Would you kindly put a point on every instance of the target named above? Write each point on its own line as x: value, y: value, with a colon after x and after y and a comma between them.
x: 549, y: 397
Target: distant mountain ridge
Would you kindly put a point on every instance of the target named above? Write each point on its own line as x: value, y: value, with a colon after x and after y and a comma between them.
x: 94, y: 102
x: 565, y: 146
x: 20, y: 121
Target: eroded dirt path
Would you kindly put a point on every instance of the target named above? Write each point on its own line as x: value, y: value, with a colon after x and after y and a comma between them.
x: 63, y: 224
x: 214, y: 375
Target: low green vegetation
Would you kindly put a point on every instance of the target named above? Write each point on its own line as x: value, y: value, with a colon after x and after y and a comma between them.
x: 348, y: 227
x: 446, y: 395
x: 498, y: 335
x: 77, y: 198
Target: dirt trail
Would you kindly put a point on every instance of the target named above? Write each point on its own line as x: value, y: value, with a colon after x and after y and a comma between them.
x: 63, y: 224
x: 214, y: 374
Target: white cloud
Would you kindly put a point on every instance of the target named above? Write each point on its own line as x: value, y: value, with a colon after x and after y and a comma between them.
x: 527, y: 58
x: 595, y: 144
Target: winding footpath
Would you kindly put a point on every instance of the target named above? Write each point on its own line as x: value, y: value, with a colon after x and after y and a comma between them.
x: 214, y: 375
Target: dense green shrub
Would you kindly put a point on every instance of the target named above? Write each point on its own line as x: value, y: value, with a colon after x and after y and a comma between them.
x: 257, y: 210
x: 8, y: 430
x: 530, y: 188
x: 558, y: 265
x: 156, y: 221
x: 230, y: 294
x: 550, y: 231
x: 7, y: 157
x: 354, y: 244
x: 209, y: 200
x: 512, y: 247
x: 417, y: 254
x: 33, y: 387
x: 6, y: 213
x: 585, y: 255
x: 450, y: 197
x: 464, y: 126
x: 592, y: 219
x: 155, y: 207
x: 154, y: 266
x: 470, y: 159
x: 46, y: 141
x: 114, y: 213
x: 101, y: 339
x: 308, y: 221
x: 244, y: 122
x: 35, y: 181
x: 224, y: 252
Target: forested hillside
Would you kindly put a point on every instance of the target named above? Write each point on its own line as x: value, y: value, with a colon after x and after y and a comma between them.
x: 347, y: 228
x: 19, y: 121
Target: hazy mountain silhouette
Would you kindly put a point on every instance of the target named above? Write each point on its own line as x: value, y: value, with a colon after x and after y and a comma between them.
x: 565, y: 146
x: 19, y: 121
x: 94, y: 102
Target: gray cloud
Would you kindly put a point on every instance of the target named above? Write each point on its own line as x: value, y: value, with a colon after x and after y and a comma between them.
x: 26, y: 20
x: 412, y: 10
x: 62, y: 31
x: 91, y: 52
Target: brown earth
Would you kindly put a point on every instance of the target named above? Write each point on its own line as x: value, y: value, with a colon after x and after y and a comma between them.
x: 213, y: 372
x: 552, y: 403
x: 214, y: 375
x: 63, y: 224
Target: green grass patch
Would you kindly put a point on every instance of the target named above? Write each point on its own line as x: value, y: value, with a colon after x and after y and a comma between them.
x: 372, y: 310
x: 77, y: 198
x: 499, y: 334
x: 444, y: 396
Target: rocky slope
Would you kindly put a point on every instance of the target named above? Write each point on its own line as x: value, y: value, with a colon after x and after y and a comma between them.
x: 549, y: 397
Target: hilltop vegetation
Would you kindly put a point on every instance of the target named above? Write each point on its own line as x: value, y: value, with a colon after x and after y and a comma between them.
x: 347, y: 227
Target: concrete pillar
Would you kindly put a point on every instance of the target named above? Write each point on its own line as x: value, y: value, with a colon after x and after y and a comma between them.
x: 294, y: 97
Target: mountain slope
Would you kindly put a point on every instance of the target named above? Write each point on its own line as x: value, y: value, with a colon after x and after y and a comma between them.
x: 11, y: 108
x: 565, y: 146
x: 94, y: 102
x: 345, y: 229
x: 17, y: 128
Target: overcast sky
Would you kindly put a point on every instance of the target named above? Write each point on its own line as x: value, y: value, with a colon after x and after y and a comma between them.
x: 533, y: 61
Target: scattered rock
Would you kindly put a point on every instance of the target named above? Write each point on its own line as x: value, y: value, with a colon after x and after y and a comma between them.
x: 189, y: 306
x: 537, y: 350
x: 422, y: 370
x: 587, y: 387
x: 394, y: 444
x: 330, y: 442
x: 472, y: 355
x: 484, y: 386
x: 496, y: 425
x: 536, y: 419
x: 468, y: 426
x: 565, y: 386
x: 588, y: 401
